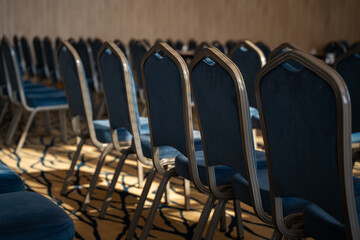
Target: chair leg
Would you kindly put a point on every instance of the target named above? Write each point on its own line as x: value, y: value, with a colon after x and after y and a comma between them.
x: 100, y: 109
x: 63, y: 130
x: 220, y: 207
x: 187, y: 194
x: 3, y: 110
x: 25, y: 131
x: 47, y: 121
x: 113, y: 183
x: 204, y: 217
x: 223, y: 221
x: 155, y: 205
x: 101, y: 161
x: 140, y: 205
x: 238, y: 219
x: 140, y: 173
x: 73, y: 163
x: 13, y: 126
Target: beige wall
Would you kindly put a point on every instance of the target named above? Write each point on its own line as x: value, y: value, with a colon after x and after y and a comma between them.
x: 306, y: 23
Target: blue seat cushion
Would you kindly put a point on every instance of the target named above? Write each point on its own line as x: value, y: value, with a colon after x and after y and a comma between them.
x: 355, y: 137
x: 102, y: 130
x: 46, y: 99
x: 28, y: 215
x: 241, y: 191
x: 10, y: 181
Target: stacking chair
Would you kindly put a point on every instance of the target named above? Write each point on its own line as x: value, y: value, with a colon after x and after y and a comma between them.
x: 50, y: 60
x: 218, y: 45
x: 333, y: 50
x: 311, y: 161
x: 179, y: 45
x: 95, y: 48
x: 57, y: 42
x: 348, y: 65
x: 98, y: 131
x: 284, y: 47
x: 264, y: 48
x: 122, y: 47
x: 29, y: 67
x: 229, y: 45
x: 170, y: 43
x: 3, y: 89
x: 18, y: 51
x: 137, y: 52
x: 201, y: 46
x: 40, y: 57
x: 192, y: 45
x: 121, y: 100
x: 38, y: 99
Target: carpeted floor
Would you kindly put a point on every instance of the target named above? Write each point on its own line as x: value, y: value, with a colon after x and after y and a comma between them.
x: 43, y: 163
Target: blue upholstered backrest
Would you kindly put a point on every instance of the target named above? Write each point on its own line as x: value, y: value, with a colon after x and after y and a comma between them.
x: 95, y: 47
x: 72, y: 83
x: 121, y: 46
x: 112, y: 75
x: 216, y: 101
x: 27, y: 54
x: 38, y: 53
x: 82, y: 50
x: 16, y: 45
x: 301, y: 125
x: 218, y: 45
x: 249, y: 64
x: 2, y: 69
x: 349, y: 69
x: 164, y: 92
x: 49, y: 54
x: 264, y: 48
x: 138, y: 52
x: 192, y: 44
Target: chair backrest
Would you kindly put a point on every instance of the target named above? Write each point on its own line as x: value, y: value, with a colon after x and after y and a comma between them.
x: 333, y: 50
x: 201, y: 46
x: 192, y: 44
x: 264, y: 48
x: 86, y: 55
x: 348, y: 65
x: 220, y: 98
x: 284, y: 47
x: 77, y: 91
x: 170, y: 43
x: 2, y: 71
x: 121, y: 45
x: 57, y: 42
x: 218, y: 45
x: 249, y: 59
x: 229, y: 45
x: 17, y: 48
x: 51, y: 61
x: 179, y: 45
x: 305, y: 116
x: 138, y: 50
x: 95, y: 48
x: 29, y: 64
x: 38, y: 54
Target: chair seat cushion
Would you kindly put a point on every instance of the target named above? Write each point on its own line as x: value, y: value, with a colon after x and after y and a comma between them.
x: 46, y: 99
x: 355, y: 137
x: 241, y: 191
x: 102, y: 130
x: 28, y: 215
x: 10, y: 181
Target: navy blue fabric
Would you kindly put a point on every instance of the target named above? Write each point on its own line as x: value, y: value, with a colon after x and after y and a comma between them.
x: 264, y: 48
x: 216, y: 101
x: 16, y: 45
x: 301, y: 124
x: 334, y: 47
x: 11, y: 69
x: 10, y: 181
x: 349, y: 69
x: 27, y: 55
x: 82, y: 50
x: 137, y: 53
x: 2, y: 69
x: 241, y: 191
x: 28, y: 215
x: 219, y: 46
x: 39, y: 56
x: 249, y: 64
x: 95, y: 48
x: 164, y: 92
x: 355, y: 137
x: 192, y: 44
x: 49, y: 57
x: 45, y: 99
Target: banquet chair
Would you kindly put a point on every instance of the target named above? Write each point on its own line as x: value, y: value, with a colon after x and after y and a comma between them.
x: 40, y: 57
x: 29, y: 98
x: 179, y: 45
x: 122, y: 47
x: 311, y: 161
x: 77, y: 91
x: 332, y: 50
x: 348, y: 65
x: 51, y: 64
x: 18, y: 50
x: 218, y: 45
x: 192, y: 45
x: 284, y: 47
x: 29, y: 67
x: 3, y: 89
x: 264, y: 48
x: 120, y: 94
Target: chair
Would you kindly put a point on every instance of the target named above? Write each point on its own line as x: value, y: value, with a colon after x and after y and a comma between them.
x: 229, y: 45
x: 39, y: 56
x: 3, y: 89
x: 179, y: 45
x: 33, y: 100
x: 73, y: 76
x: 29, y: 67
x: 192, y: 44
x: 50, y: 60
x: 218, y: 45
x: 18, y: 51
x: 201, y: 46
x: 122, y: 47
x: 95, y: 47
x: 264, y: 48
x: 121, y: 100
x: 57, y: 42
x: 311, y: 161
x: 333, y: 50
x: 170, y: 43
x: 348, y: 65
x: 284, y: 47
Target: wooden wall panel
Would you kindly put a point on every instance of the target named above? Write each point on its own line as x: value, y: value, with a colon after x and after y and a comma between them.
x: 306, y: 23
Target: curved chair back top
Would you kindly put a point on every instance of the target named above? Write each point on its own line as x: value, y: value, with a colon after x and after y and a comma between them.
x: 284, y: 47
x: 201, y: 46
x: 348, y: 65
x: 76, y: 88
x: 170, y: 43
x: 218, y: 45
x: 50, y: 57
x: 220, y: 97
x: 305, y: 117
x: 27, y: 55
x: 138, y: 50
x: 121, y: 45
x: 192, y: 44
x: 249, y: 59
x: 38, y: 53
x: 264, y: 48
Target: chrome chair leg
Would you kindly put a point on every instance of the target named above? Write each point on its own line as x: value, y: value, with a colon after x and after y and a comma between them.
x: 72, y: 166
x: 219, y: 210
x: 25, y: 131
x: 140, y: 206
x: 13, y: 126
x: 155, y: 205
x: 63, y: 130
x: 238, y: 219
x: 187, y: 194
x: 114, y: 181
x: 140, y: 173
x: 204, y: 217
x: 101, y: 161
